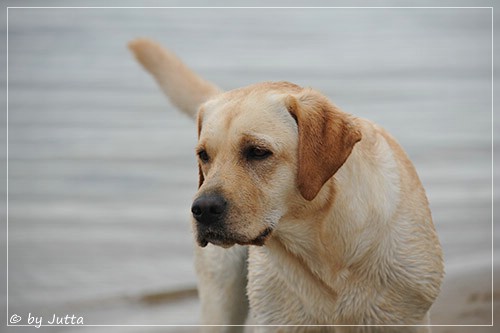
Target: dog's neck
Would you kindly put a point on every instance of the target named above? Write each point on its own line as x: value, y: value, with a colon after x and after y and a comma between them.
x: 346, y: 208
x: 309, y: 246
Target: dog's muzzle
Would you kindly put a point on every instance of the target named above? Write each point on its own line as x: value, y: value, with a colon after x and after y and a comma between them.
x: 210, y: 213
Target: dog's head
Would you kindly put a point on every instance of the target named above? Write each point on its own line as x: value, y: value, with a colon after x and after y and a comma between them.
x: 261, y: 148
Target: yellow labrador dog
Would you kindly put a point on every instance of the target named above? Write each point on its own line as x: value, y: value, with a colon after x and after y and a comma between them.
x: 320, y: 216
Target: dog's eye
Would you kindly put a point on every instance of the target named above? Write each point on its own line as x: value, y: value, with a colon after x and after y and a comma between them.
x: 203, y: 155
x: 257, y: 153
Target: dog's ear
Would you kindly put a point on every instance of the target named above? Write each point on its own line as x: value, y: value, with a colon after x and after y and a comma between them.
x: 199, y: 121
x: 326, y: 139
x: 201, y: 178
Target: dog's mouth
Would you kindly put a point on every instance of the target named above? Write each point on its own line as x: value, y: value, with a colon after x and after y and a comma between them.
x: 228, y: 240
x: 261, y: 239
x: 215, y: 240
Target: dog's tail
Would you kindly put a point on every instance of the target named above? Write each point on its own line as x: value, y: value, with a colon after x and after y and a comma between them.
x: 185, y: 89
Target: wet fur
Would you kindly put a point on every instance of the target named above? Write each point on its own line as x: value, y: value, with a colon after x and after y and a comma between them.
x: 351, y: 238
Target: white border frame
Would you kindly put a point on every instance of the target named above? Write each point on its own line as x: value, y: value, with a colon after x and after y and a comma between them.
x: 200, y: 7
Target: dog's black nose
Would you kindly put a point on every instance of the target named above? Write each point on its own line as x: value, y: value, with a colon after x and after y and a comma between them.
x: 209, y: 209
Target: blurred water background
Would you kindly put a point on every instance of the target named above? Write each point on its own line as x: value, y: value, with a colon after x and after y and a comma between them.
x: 102, y: 171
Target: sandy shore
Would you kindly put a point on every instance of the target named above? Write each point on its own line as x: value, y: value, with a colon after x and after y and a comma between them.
x: 467, y: 299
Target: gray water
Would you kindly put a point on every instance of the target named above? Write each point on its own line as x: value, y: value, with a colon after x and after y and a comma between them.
x: 102, y: 170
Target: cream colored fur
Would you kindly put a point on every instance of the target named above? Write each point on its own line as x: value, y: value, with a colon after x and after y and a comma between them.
x: 350, y: 244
